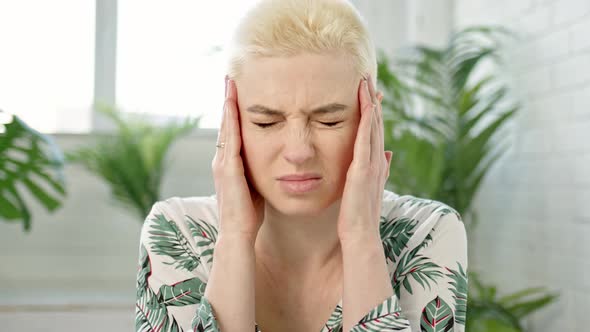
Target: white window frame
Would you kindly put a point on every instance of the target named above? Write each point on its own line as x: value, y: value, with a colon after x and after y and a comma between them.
x: 105, y: 61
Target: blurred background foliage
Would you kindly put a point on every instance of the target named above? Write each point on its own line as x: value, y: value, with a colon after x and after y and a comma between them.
x: 442, y: 119
x: 30, y: 163
x: 132, y: 160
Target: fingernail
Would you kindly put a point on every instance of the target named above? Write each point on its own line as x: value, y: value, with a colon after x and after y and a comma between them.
x: 366, y: 84
x: 226, y: 80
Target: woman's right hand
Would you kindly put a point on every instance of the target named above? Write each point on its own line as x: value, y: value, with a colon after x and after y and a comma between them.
x: 241, y: 207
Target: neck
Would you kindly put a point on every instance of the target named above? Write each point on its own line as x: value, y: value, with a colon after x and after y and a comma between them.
x: 300, y: 244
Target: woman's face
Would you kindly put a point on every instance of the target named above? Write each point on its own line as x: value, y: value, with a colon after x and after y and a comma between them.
x: 299, y: 140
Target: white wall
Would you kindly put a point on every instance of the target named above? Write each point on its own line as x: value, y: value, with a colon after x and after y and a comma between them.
x: 394, y: 24
x: 535, y: 221
x: 387, y: 21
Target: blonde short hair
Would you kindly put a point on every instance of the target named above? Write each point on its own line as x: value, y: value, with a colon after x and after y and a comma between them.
x: 276, y: 28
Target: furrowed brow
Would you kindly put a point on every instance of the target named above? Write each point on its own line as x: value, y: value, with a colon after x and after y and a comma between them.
x: 326, y: 109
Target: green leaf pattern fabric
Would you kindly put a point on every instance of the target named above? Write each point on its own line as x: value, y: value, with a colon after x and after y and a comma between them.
x: 424, y: 242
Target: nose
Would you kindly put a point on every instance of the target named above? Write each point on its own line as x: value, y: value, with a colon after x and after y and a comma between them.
x: 298, y: 147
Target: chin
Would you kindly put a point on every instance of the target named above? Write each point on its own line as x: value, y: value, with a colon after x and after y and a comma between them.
x: 310, y: 204
x: 299, y: 209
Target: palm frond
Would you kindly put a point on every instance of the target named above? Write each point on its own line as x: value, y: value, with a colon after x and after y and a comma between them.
x: 443, y: 151
x: 132, y: 160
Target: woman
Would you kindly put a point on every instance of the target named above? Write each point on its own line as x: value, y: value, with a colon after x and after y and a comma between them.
x: 301, y: 235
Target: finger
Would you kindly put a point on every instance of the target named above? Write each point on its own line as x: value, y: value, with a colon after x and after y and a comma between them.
x: 379, y: 110
x: 371, y: 89
x: 388, y: 156
x: 381, y: 123
x: 377, y: 148
x: 362, y: 144
x: 376, y: 158
x: 222, y: 134
x: 234, y: 139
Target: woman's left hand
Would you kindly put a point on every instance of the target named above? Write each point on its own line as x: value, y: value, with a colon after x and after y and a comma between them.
x: 360, y: 209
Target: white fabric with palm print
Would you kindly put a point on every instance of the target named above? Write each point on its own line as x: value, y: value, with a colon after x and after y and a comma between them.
x: 424, y: 243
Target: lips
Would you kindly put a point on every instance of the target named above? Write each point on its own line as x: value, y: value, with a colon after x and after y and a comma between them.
x: 300, y: 177
x: 300, y: 186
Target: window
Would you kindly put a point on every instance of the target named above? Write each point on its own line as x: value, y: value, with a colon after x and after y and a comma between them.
x: 171, y: 56
x: 47, y: 61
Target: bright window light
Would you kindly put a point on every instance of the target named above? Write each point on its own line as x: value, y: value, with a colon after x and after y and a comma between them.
x: 47, y: 62
x: 171, y: 56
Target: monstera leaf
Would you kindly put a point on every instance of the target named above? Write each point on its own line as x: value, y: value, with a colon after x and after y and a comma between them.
x: 29, y: 161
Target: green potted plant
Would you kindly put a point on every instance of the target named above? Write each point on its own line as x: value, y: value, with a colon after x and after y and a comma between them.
x: 487, y: 311
x: 443, y: 121
x: 29, y: 161
x: 132, y: 159
x: 448, y: 144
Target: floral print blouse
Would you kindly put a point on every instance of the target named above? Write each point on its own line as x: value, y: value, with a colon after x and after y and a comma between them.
x: 424, y: 242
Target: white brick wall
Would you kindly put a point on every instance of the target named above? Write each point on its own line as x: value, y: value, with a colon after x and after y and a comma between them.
x: 534, y: 207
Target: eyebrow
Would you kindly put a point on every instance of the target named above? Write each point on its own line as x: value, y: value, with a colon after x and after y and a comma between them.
x: 326, y: 109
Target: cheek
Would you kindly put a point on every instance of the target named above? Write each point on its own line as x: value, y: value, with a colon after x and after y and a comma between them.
x: 249, y: 150
x: 339, y: 151
x: 345, y: 146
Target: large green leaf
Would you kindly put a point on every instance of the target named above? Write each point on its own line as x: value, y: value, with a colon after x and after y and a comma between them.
x: 28, y: 160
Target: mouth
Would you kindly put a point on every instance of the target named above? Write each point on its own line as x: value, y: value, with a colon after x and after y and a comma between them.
x: 300, y: 186
x: 300, y: 177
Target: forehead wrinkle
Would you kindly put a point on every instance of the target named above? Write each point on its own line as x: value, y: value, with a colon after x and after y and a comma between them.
x: 332, y: 108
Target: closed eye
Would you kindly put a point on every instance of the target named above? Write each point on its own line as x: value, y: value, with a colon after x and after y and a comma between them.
x: 270, y: 124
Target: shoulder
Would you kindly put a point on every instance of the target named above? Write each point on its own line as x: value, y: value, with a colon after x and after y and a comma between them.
x: 396, y: 206
x: 186, y: 212
x: 179, y: 234
x: 189, y: 222
x: 414, y: 220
